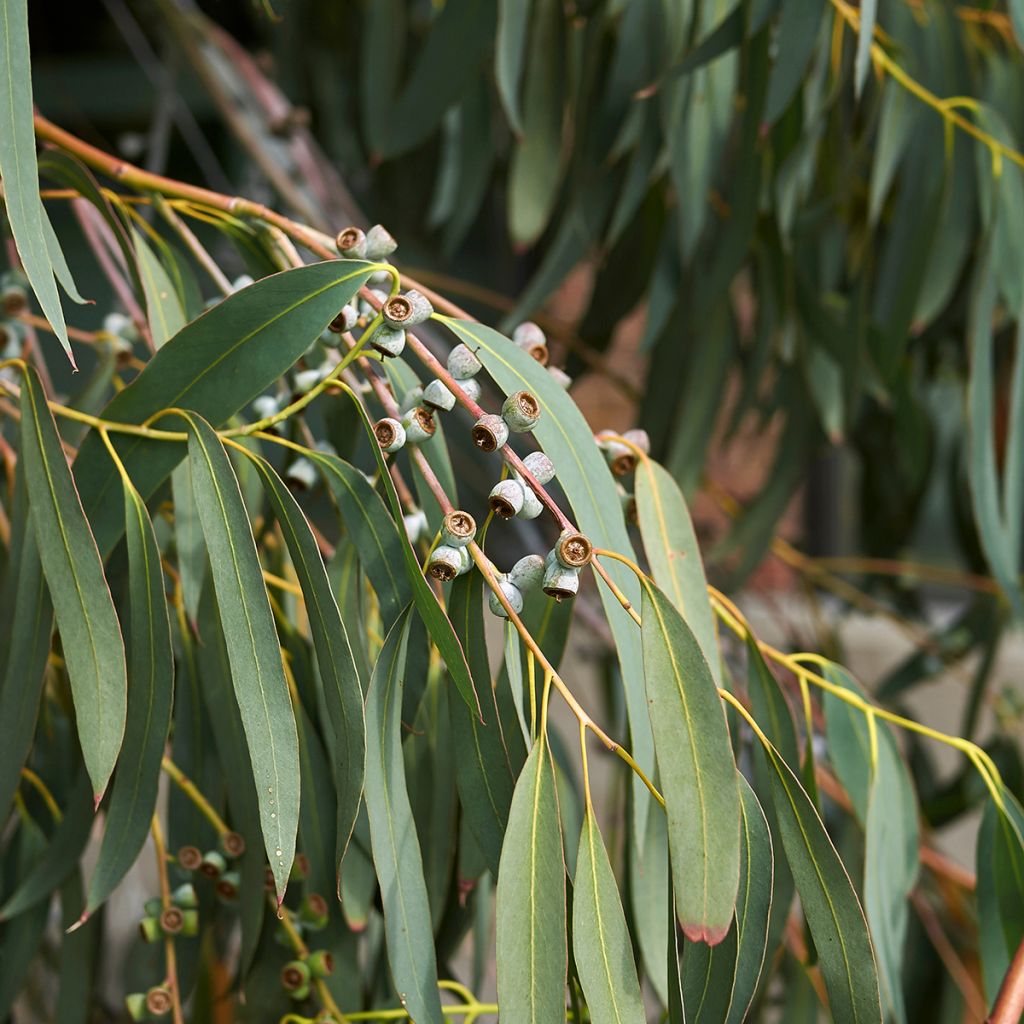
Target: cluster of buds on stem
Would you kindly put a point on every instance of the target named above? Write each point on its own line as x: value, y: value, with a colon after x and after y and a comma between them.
x: 515, y: 497
x: 571, y: 553
x: 529, y: 337
x: 298, y: 975
x: 451, y: 557
x: 523, y: 577
x: 179, y: 917
x: 213, y: 865
x: 355, y: 244
x: 153, y: 1004
x: 622, y: 458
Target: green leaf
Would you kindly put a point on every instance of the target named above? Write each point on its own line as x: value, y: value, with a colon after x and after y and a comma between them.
x: 510, y: 47
x: 19, y: 169
x: 79, y: 953
x: 91, y: 636
x: 531, y: 925
x: 797, y: 34
x: 483, y: 769
x: 865, y: 33
x: 829, y: 901
x: 396, y: 851
x: 252, y: 645
x: 188, y: 539
x: 20, y: 939
x: 1008, y: 867
x: 603, y: 951
x: 342, y: 690
x: 150, y: 694
x: 697, y: 769
x: 673, y: 555
x: 213, y: 367
x: 163, y: 307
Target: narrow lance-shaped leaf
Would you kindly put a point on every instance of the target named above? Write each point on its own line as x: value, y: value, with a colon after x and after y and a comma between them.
x: 150, y: 694
x: 19, y: 168
x: 600, y: 938
x: 252, y: 646
x: 698, y: 772
x: 90, y: 633
x: 531, y: 925
x: 163, y: 307
x: 510, y: 48
x: 342, y: 691
x: 396, y: 850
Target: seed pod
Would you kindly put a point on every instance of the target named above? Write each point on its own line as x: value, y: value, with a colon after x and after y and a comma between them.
x: 135, y: 1004
x: 295, y: 974
x: 471, y: 389
x: 490, y: 433
x: 265, y: 406
x: 521, y: 411
x: 532, y: 506
x: 463, y: 363
x: 390, y: 434
x: 379, y: 243
x: 458, y: 528
x: 380, y: 278
x: 388, y: 341
x: 447, y: 562
x: 573, y: 550
x: 412, y: 398
x: 185, y: 896
x: 240, y: 282
x: 213, y: 864
x: 541, y: 468
x: 620, y: 457
x: 321, y: 963
x: 313, y: 912
x: 153, y: 907
x: 560, y: 377
x: 415, y: 524
x: 513, y: 595
x: 406, y: 310
x: 351, y: 243
x: 530, y: 338
x: 190, y: 928
x: 506, y: 498
x: 13, y: 299
x: 171, y: 920
x: 227, y: 886
x: 301, y: 475
x: 344, y: 321
x: 190, y: 857
x: 159, y: 1001
x: 119, y: 326
x: 560, y: 582
x: 305, y: 380
x: 527, y: 573
x: 640, y: 438
x: 150, y: 930
x: 437, y: 396
x: 419, y: 425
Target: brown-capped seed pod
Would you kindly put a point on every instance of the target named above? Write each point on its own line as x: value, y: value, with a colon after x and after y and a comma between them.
x: 300, y: 868
x: 213, y: 865
x: 321, y: 963
x: 490, y: 433
x: 295, y: 974
x: 344, y: 321
x: 528, y: 333
x: 471, y: 389
x: 573, y: 550
x: 228, y: 885
x: 406, y: 310
x: 506, y: 498
x: 419, y: 425
x: 390, y: 434
x: 351, y: 243
x: 521, y: 411
x: 13, y: 300
x: 172, y: 920
x: 159, y: 1001
x: 313, y: 912
x: 559, y: 582
x: 190, y: 857
x: 458, y: 528
x: 379, y: 243
x: 447, y: 562
x: 232, y: 844
x: 532, y: 506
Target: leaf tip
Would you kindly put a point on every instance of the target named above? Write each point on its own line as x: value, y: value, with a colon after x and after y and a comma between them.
x: 86, y: 914
x: 712, y: 935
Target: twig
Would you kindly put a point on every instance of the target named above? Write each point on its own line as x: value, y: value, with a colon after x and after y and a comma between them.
x: 1009, y: 1005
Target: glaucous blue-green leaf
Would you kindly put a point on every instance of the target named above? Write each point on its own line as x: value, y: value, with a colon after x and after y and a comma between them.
x: 252, y: 645
x: 396, y: 850
x: 600, y: 939
x: 343, y: 693
x: 163, y: 307
x: 697, y: 770
x: 89, y: 630
x: 188, y: 539
x: 510, y: 51
x: 19, y: 168
x: 531, y: 923
x: 797, y: 34
x: 214, y: 366
x: 79, y: 955
x: 150, y: 694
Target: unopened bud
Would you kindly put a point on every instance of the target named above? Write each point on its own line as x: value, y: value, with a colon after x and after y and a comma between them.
x: 527, y: 573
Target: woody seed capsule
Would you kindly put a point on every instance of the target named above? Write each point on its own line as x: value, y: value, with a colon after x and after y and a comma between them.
x: 301, y: 475
x: 321, y: 963
x: 506, y: 498
x: 190, y: 857
x: 390, y: 434
x: 573, y: 550
x: 471, y: 389
x: 351, y: 243
x: 529, y: 337
x: 419, y: 425
x: 490, y: 433
x: 379, y: 243
x: 463, y: 363
x: 294, y: 975
x: 541, y: 468
x: 560, y: 377
x: 527, y: 573
x: 458, y: 528
x: 415, y: 524
x: 447, y: 562
x: 344, y: 321
x: 559, y: 582
x: 513, y: 595
x: 388, y: 341
x: 171, y: 920
x: 213, y: 864
x: 158, y: 1001
x: 620, y: 457
x: 406, y: 310
x: 412, y: 398
x: 532, y: 506
x: 437, y: 396
x: 521, y: 411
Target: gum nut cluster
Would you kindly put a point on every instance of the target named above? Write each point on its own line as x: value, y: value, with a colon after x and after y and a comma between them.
x: 529, y: 337
x: 397, y: 313
x: 514, y: 497
x: 621, y: 454
x: 451, y: 557
x: 524, y: 576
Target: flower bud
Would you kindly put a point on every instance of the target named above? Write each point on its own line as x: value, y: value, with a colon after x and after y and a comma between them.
x: 351, y: 243
x: 458, y: 528
x: 294, y: 975
x: 313, y: 912
x: 559, y: 582
x: 490, y: 433
x: 406, y: 310
x: 321, y: 963
x: 573, y: 550
x: 506, y: 498
x: 527, y: 573
x: 301, y: 475
x: 190, y: 857
x: 344, y: 321
x: 379, y: 243
x: 388, y: 341
x: 419, y: 425
x: 390, y: 434
x: 541, y: 468
x: 463, y: 363
x: 213, y: 864
x: 185, y: 896
x: 447, y: 562
x: 640, y: 438
x: 521, y: 411
x: 437, y: 396
x: 513, y: 595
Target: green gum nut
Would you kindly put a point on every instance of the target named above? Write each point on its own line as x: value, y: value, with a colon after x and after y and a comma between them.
x: 560, y: 582
x: 150, y: 930
x: 190, y: 925
x: 419, y: 425
x: 313, y: 912
x: 321, y: 963
x: 412, y: 398
x: 513, y: 595
x: 343, y: 322
x: 506, y: 498
x: 532, y: 506
x: 159, y: 1001
x: 463, y: 363
x: 521, y: 411
x: 232, y: 844
x: 153, y: 906
x: 415, y: 524
x: 351, y: 243
x: 305, y: 380
x: 530, y: 338
x: 541, y: 468
x: 388, y: 341
x: 406, y: 310
x: 437, y: 396
x: 227, y: 886
x: 294, y: 975
x: 369, y: 309
x: 265, y: 406
x: 13, y: 297
x: 458, y: 528
x: 379, y: 243
x: 135, y: 1004
x: 447, y: 562
x: 527, y: 573
x: 490, y: 433
x: 300, y: 868
x: 471, y: 389
x: 172, y: 920
x: 213, y: 864
x: 390, y: 434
